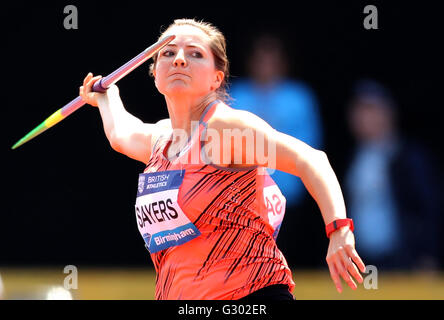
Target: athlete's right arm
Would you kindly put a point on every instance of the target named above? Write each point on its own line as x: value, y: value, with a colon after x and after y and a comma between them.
x: 126, y: 133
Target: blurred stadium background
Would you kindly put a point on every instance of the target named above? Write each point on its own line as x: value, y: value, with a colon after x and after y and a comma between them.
x: 68, y: 198
x: 139, y: 284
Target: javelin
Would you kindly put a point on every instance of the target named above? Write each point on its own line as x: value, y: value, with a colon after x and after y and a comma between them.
x: 99, y: 86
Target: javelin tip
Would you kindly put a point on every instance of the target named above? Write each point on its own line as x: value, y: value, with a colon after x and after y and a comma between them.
x: 17, y: 144
x: 32, y: 134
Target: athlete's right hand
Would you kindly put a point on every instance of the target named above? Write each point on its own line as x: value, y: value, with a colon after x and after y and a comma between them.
x: 85, y: 91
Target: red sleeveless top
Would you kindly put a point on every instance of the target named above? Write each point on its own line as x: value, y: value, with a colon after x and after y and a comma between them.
x: 237, y: 212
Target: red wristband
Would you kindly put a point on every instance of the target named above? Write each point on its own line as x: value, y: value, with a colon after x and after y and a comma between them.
x: 339, y: 223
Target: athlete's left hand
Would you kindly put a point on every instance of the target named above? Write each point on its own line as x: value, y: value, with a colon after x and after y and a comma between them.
x: 343, y: 260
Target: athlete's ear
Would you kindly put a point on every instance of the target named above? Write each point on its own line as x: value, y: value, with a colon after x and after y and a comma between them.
x: 152, y: 69
x: 155, y: 78
x: 218, y: 79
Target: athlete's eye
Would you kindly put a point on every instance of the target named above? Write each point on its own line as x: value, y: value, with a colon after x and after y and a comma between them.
x: 197, y: 54
x: 168, y: 53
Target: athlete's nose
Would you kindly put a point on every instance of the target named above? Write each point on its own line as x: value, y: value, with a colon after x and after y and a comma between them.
x: 180, y: 59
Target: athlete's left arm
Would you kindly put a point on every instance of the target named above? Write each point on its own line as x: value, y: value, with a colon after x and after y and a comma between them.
x: 291, y: 155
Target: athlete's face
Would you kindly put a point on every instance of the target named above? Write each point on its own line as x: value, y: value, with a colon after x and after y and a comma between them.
x: 186, y: 65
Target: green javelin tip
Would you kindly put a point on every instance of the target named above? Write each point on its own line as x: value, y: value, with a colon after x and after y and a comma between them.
x: 35, y: 132
x: 56, y: 117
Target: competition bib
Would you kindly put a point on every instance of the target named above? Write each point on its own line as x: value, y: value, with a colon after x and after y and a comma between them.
x: 275, y: 203
x: 160, y: 220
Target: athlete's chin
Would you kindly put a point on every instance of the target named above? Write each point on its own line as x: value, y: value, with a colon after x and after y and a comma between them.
x: 178, y: 89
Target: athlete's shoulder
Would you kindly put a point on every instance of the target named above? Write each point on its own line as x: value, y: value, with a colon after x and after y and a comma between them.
x: 226, y: 117
x: 162, y: 128
x: 225, y: 112
x: 164, y: 123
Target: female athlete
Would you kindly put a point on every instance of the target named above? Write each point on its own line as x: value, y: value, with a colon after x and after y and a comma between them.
x: 206, y: 207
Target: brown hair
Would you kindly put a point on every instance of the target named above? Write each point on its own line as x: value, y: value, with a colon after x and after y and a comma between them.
x: 218, y: 48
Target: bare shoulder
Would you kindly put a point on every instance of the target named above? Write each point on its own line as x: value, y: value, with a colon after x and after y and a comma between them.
x: 257, y: 143
x: 161, y: 127
x: 230, y: 118
x: 227, y: 112
x: 164, y: 123
x: 236, y: 132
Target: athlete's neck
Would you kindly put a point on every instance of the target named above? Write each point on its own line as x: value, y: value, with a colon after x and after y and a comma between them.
x: 184, y: 110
